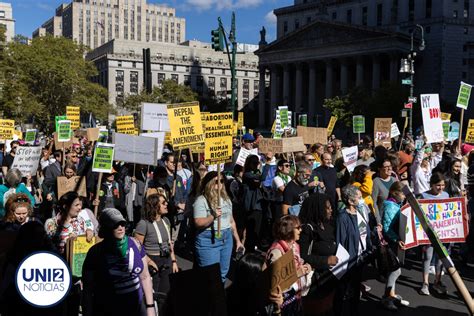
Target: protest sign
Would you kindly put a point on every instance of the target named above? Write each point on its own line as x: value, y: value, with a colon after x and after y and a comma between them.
x: 313, y: 135
x: 66, y: 185
x: 125, y: 124
x: 17, y: 134
x: 73, y: 114
x: 103, y: 158
x: 136, y: 149
x: 350, y: 156
x: 448, y: 218
x: 406, y: 228
x: 57, y: 119
x: 432, y: 124
x: 64, y: 131
x: 6, y: 129
x: 419, y: 144
x: 78, y: 249
x: 30, y: 136
x: 394, y: 132
x: 154, y: 117
x: 63, y: 145
x: 445, y: 116
x: 243, y: 154
x: 27, y: 159
x: 283, y: 116
x: 218, y: 137
x: 303, y: 120
x: 282, y: 145
x: 332, y: 123
x: 240, y: 120
x: 185, y: 124
x: 283, y: 272
x: 160, y: 136
x: 464, y: 95
x: 470, y: 132
x: 358, y: 124
x: 92, y: 134
x: 290, y: 119
x: 103, y: 135
x: 453, y: 131
x: 382, y: 129
x: 445, y: 129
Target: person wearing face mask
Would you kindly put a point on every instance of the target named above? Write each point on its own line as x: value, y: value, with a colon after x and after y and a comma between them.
x: 391, y: 221
x: 297, y: 190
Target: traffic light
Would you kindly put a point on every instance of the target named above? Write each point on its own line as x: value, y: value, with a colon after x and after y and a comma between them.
x: 217, y: 40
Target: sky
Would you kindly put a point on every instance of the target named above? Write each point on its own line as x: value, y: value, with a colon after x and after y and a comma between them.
x: 201, y: 16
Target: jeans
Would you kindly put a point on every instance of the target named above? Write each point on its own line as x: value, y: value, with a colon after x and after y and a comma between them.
x: 214, y: 250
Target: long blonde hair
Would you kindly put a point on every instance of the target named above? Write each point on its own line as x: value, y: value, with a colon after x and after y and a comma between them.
x: 210, y: 193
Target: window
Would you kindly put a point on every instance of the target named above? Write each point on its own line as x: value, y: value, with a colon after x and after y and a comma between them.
x: 256, y: 87
x: 428, y: 8
x: 133, y: 82
x: 466, y: 30
x: 174, y: 67
x: 285, y: 27
x: 466, y: 9
x: 223, y: 84
x: 221, y: 61
x: 209, y: 60
x: 212, y: 85
x: 379, y: 14
x: 411, y: 10
x: 175, y: 78
x: 394, y: 13
x: 223, y: 71
x: 161, y: 78
x: 171, y: 56
x: 187, y: 80
x: 185, y: 58
x: 211, y: 70
x: 455, y: 14
x: 464, y: 75
x: 349, y: 16
x: 199, y: 83
x: 364, y: 16
x: 297, y: 24
x: 2, y: 14
x: 334, y: 15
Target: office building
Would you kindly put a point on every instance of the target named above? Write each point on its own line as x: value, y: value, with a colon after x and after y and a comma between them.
x: 6, y: 20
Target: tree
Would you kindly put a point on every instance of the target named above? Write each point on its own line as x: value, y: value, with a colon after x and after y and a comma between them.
x: 41, y: 79
x: 169, y: 92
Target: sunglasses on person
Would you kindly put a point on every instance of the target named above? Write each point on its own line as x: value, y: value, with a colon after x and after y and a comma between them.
x: 122, y: 223
x: 286, y: 165
x: 217, y: 181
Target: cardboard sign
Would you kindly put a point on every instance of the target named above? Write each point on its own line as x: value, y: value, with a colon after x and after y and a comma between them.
x: 27, y: 159
x: 431, y: 112
x: 65, y: 145
x: 30, y: 136
x: 464, y: 95
x: 77, y: 253
x: 358, y: 124
x: 382, y: 129
x: 64, y: 131
x: 303, y: 120
x: 332, y: 123
x: 447, y: 217
x: 470, y: 132
x: 282, y: 145
x: 445, y: 116
x: 394, y: 132
x: 154, y: 117
x: 218, y: 137
x: 93, y: 134
x: 103, y: 158
x: 125, y: 124
x: 66, y: 185
x: 73, y: 114
x: 313, y: 135
x: 283, y: 272
x: 160, y: 137
x: 453, y: 131
x: 6, y: 129
x: 136, y: 149
x: 243, y: 154
x: 185, y: 124
x: 350, y: 156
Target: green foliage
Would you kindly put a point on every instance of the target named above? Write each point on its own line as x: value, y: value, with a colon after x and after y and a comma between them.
x: 169, y: 92
x: 41, y: 79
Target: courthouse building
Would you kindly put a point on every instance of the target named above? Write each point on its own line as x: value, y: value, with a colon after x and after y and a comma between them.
x: 6, y: 20
x: 326, y: 47
x: 96, y: 22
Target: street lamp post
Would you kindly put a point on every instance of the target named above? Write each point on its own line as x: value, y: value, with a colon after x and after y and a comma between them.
x: 408, y: 66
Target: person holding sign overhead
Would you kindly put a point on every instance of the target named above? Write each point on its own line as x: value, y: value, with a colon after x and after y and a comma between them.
x: 210, y: 246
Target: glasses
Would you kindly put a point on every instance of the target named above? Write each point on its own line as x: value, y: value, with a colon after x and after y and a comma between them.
x: 311, y: 159
x: 286, y: 165
x: 24, y: 200
x: 217, y: 181
x: 306, y: 175
x: 123, y: 224
x: 73, y: 156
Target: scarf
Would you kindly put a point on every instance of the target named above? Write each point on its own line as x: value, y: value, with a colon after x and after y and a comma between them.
x: 122, y: 246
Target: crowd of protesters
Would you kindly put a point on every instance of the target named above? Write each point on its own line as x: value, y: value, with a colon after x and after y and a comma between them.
x: 243, y: 218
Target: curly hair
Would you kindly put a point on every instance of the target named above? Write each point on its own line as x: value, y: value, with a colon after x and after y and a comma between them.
x: 15, y: 201
x: 152, y: 204
x: 284, y: 228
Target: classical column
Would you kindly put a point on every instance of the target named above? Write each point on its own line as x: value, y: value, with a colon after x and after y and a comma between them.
x: 344, y: 76
x: 329, y: 78
x: 261, y: 97
x: 312, y: 93
x: 375, y: 73
x: 274, y: 84
x: 299, y: 88
x: 393, y: 67
x: 360, y: 71
x: 286, y: 85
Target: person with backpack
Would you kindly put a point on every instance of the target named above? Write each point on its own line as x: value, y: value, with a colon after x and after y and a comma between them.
x: 12, y: 185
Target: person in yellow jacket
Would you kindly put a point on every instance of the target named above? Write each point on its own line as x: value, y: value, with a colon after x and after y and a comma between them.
x: 362, y: 178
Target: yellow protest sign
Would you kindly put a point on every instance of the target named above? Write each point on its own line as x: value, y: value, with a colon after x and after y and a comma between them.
x: 125, y: 124
x: 76, y: 252
x: 185, y: 124
x: 470, y: 132
x: 6, y: 129
x: 218, y: 137
x: 332, y: 123
x: 73, y: 113
x: 445, y: 116
x: 18, y: 134
x: 167, y: 137
x: 240, y: 120
x: 236, y: 129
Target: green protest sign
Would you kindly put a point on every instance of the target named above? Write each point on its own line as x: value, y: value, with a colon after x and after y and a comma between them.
x: 446, y: 129
x: 30, y: 136
x: 103, y: 158
x: 303, y: 120
x: 64, y: 131
x: 464, y: 95
x: 358, y: 124
x: 103, y: 135
x: 57, y: 119
x: 283, y: 116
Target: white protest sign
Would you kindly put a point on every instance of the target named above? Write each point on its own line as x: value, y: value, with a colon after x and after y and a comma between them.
x: 395, y: 131
x: 350, y: 156
x: 431, y: 112
x: 214, y: 167
x: 160, y: 136
x: 27, y: 160
x: 154, y: 117
x: 136, y: 149
x: 243, y: 154
x: 407, y: 227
